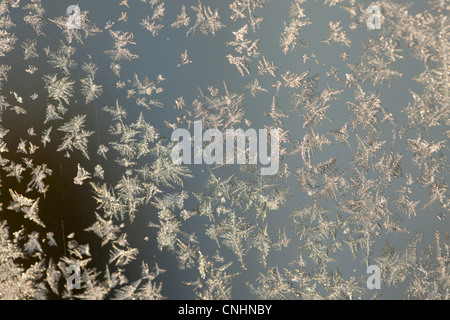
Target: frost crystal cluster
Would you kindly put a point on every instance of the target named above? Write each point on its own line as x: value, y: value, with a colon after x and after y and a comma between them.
x: 87, y: 180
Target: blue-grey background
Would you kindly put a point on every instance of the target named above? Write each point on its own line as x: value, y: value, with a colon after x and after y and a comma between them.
x: 74, y: 206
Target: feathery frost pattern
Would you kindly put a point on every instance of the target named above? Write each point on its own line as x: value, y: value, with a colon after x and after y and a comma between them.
x: 87, y: 180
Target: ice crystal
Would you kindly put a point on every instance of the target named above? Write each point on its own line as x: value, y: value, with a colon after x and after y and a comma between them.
x: 85, y: 151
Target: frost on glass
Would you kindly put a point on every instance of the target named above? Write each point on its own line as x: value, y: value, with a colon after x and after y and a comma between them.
x: 87, y: 180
